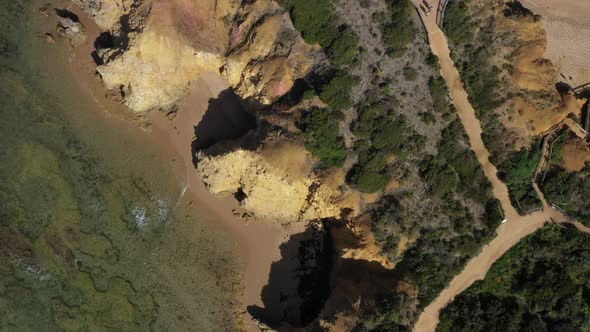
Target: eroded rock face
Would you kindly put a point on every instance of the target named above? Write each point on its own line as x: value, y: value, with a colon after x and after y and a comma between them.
x: 70, y: 28
x: 532, y: 105
x: 170, y: 42
x: 106, y: 13
x: 269, y: 191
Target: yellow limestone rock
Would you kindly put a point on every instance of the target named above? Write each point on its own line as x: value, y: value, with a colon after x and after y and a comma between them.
x: 155, y: 72
x: 253, y: 46
x: 270, y: 192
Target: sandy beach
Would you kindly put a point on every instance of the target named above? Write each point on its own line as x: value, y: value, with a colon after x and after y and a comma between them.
x: 258, y: 241
x: 567, y: 23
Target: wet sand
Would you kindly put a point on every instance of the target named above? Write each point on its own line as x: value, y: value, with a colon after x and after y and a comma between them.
x: 258, y: 241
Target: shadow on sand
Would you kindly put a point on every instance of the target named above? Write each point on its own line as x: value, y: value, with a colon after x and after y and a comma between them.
x: 224, y: 121
x: 312, y: 281
x: 298, y: 284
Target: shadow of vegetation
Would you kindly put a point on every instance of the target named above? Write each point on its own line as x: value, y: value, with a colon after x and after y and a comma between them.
x: 298, y: 284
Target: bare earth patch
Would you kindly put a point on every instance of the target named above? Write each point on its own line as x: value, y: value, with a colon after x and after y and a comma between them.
x: 575, y: 154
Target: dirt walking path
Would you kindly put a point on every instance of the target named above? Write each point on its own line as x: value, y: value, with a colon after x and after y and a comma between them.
x: 467, y: 116
x: 516, y: 227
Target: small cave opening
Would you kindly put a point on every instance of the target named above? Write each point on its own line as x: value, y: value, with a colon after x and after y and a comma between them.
x: 562, y: 87
x: 104, y: 40
x: 240, y: 195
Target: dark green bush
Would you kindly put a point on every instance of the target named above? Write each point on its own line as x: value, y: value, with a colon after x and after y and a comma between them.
x: 400, y: 30
x: 371, y: 172
x: 439, y: 93
x: 458, y: 24
x: 336, y: 93
x: 410, y: 74
x: 569, y: 191
x: 541, y: 284
x: 318, y: 23
x: 322, y: 137
x: 517, y: 171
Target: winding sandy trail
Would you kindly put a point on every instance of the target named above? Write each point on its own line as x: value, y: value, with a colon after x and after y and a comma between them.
x: 516, y: 227
x: 467, y: 116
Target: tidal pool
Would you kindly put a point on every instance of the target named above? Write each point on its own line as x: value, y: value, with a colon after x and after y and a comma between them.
x: 91, y: 233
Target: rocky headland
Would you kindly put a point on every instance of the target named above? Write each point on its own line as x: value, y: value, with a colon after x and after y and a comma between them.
x: 151, y: 51
x: 403, y: 203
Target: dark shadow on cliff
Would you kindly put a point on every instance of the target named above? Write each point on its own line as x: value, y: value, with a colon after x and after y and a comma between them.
x: 67, y: 14
x: 312, y: 281
x: 358, y: 287
x: 103, y: 41
x: 225, y: 121
x: 298, y: 284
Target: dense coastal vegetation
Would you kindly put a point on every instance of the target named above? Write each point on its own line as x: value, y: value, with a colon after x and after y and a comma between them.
x: 443, y: 211
x: 541, y: 284
x: 475, y: 43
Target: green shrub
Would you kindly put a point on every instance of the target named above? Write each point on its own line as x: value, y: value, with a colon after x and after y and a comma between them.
x: 438, y: 93
x: 458, y: 24
x: 318, y: 23
x: 322, y: 137
x: 569, y: 191
x: 344, y: 50
x: 400, y: 30
x: 410, y: 74
x: 427, y: 117
x: 517, y: 171
x: 308, y: 94
x: 371, y: 173
x: 336, y: 93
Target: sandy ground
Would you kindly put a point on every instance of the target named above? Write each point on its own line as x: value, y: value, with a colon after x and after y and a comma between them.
x: 258, y: 241
x: 509, y: 233
x: 567, y: 23
x: 575, y: 155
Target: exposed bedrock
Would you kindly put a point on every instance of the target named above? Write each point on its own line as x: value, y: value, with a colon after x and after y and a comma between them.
x: 161, y: 46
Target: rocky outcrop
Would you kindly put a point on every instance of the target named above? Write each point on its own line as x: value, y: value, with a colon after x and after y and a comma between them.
x: 106, y: 13
x: 167, y: 44
x: 528, y: 79
x: 267, y: 189
x: 70, y: 28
